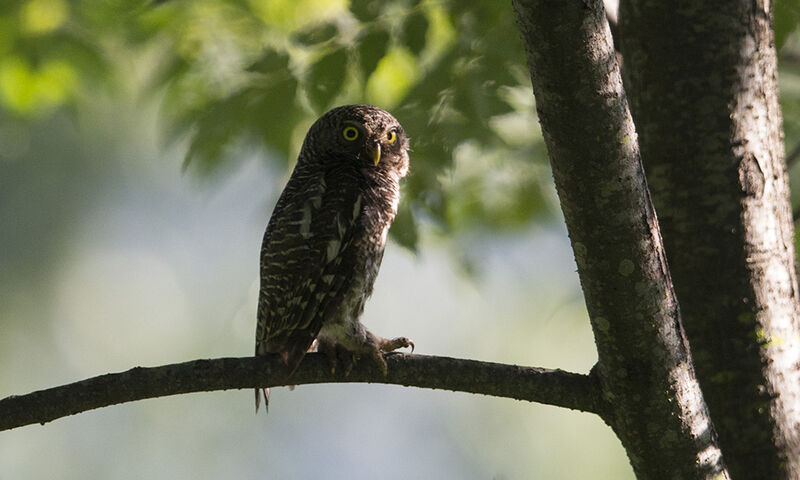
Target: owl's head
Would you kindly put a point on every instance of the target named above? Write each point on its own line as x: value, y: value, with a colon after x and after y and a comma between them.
x: 366, y: 135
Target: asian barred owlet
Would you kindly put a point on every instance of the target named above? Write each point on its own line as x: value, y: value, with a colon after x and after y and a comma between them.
x: 324, y: 242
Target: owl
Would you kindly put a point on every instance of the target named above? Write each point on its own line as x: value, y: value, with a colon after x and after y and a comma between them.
x: 325, y: 240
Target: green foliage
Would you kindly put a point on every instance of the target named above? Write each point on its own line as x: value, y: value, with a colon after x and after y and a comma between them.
x: 316, y: 34
x: 325, y: 78
x: 366, y: 11
x: 372, y: 45
x: 231, y: 71
x: 42, y: 61
x: 414, y: 30
x: 787, y: 19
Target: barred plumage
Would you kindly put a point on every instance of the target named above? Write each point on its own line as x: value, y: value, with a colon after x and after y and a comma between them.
x: 325, y: 240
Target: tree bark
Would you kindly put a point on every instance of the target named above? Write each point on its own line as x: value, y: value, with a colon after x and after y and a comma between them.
x: 701, y: 77
x: 652, y: 398
x: 552, y: 387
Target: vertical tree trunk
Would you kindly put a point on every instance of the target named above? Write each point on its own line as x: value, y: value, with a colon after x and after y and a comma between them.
x: 652, y: 398
x: 701, y: 78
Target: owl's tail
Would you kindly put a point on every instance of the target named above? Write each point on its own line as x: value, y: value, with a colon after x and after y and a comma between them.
x: 261, y: 350
x: 265, y: 393
x: 291, y: 357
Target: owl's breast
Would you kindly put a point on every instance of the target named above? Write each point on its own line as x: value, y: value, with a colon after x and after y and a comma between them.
x: 377, y: 209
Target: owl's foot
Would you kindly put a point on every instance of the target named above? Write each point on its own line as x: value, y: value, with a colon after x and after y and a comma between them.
x: 376, y: 355
x: 375, y: 347
x: 337, y: 356
x: 386, y: 346
x: 390, y: 345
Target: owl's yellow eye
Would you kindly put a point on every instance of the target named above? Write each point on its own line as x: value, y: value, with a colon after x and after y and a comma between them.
x: 391, y: 137
x: 350, y: 133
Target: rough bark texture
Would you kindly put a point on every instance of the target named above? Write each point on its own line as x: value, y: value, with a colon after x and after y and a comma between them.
x: 701, y: 76
x: 553, y: 387
x: 652, y: 399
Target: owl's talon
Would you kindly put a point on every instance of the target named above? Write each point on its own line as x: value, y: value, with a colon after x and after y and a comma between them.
x: 348, y: 359
x: 378, y: 357
x: 329, y: 351
x: 387, y: 345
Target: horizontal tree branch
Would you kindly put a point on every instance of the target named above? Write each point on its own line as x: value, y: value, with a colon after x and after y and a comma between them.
x: 552, y: 387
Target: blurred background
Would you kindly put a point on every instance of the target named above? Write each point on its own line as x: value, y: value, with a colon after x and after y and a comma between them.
x: 142, y: 147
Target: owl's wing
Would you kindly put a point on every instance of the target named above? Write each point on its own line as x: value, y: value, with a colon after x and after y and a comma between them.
x: 301, y: 265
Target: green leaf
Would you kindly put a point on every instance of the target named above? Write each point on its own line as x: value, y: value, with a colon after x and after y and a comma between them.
x: 270, y: 111
x: 170, y: 68
x: 413, y: 34
x: 84, y: 55
x: 366, y: 10
x: 372, y: 46
x: 35, y: 91
x: 315, y: 34
x: 270, y: 61
x: 478, y: 100
x: 396, y: 73
x: 325, y: 78
x: 277, y: 114
x: 215, y: 130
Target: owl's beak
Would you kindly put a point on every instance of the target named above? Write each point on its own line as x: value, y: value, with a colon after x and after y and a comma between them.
x: 376, y: 154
